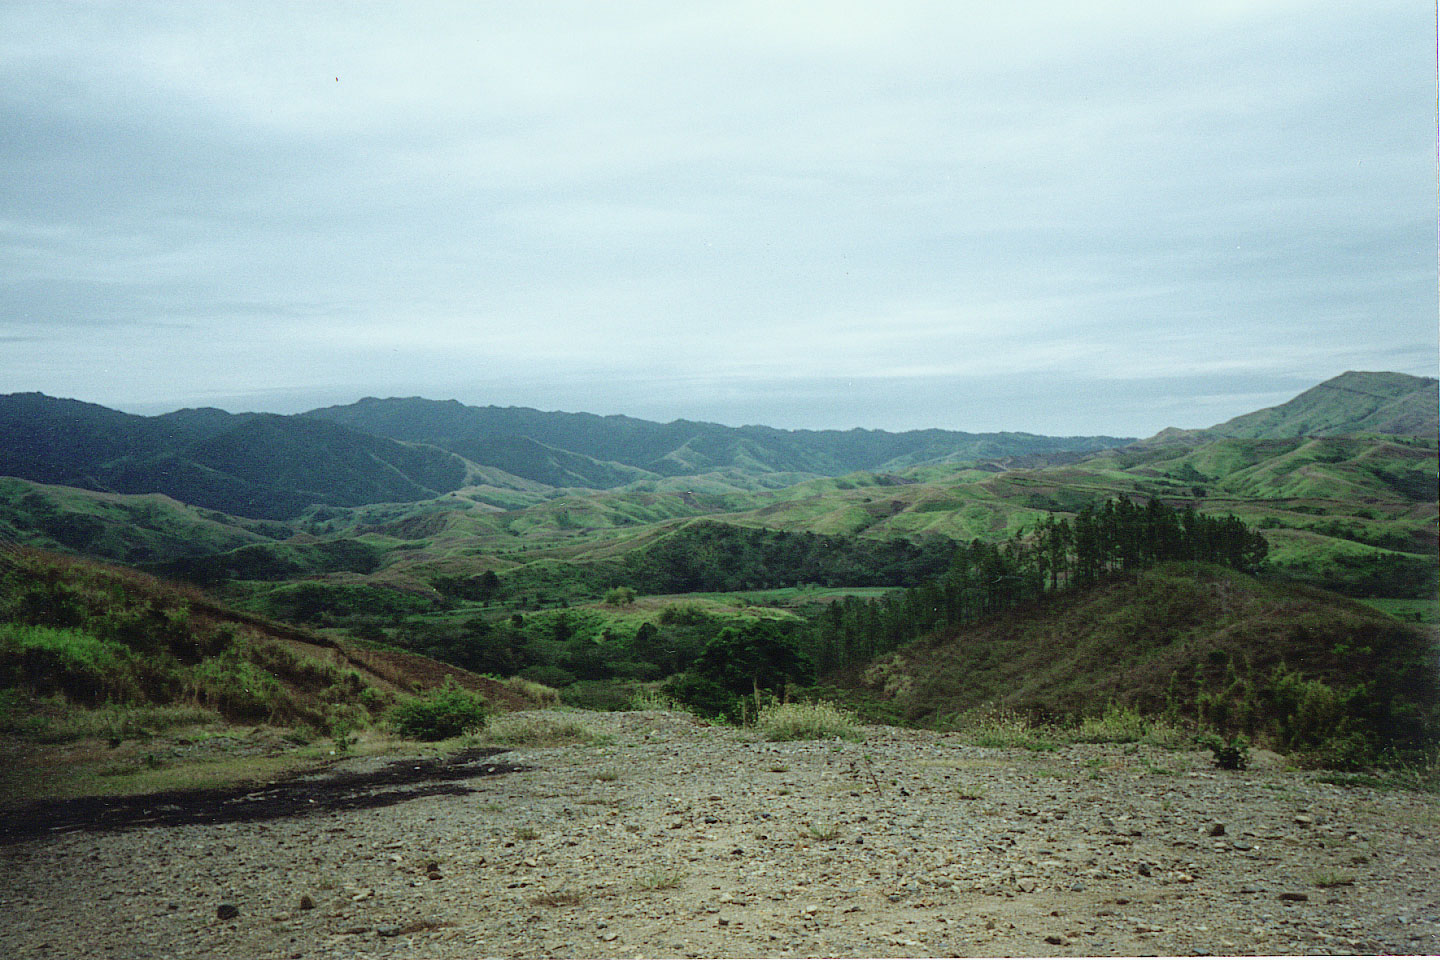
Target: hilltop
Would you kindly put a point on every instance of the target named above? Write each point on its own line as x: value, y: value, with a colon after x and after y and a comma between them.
x: 1352, y: 403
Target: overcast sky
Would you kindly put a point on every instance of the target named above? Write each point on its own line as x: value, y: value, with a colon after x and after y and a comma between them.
x: 1054, y: 217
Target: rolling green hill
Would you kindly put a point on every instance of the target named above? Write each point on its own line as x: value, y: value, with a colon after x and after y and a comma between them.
x: 1354, y: 402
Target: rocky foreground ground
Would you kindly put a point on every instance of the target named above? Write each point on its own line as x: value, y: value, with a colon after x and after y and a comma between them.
x: 665, y: 837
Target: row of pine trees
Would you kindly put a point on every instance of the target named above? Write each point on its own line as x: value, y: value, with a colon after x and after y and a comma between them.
x: 1058, y: 554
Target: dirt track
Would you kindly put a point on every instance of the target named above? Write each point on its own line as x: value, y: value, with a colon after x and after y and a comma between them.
x: 671, y: 839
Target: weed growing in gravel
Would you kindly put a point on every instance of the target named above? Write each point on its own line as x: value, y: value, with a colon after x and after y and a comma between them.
x: 537, y: 693
x: 808, y: 721
x: 516, y: 730
x: 822, y: 831
x: 779, y: 768
x: 1125, y: 725
x: 1003, y: 728
x: 526, y: 833
x: 558, y: 898
x: 1331, y: 878
x: 655, y: 700
x: 607, y: 776
x: 660, y: 878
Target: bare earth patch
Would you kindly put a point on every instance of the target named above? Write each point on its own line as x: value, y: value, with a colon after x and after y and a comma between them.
x: 669, y: 838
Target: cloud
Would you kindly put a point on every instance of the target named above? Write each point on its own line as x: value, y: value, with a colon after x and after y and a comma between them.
x: 738, y: 194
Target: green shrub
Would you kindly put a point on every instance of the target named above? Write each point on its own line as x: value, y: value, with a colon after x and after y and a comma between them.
x: 1232, y: 754
x: 808, y: 721
x: 236, y: 688
x: 620, y: 596
x: 447, y: 712
x: 704, y: 696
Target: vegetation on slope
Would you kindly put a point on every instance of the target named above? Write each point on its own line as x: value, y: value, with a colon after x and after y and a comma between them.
x: 1297, y: 669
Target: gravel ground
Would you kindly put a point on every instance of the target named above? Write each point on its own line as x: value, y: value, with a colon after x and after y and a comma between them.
x: 665, y: 837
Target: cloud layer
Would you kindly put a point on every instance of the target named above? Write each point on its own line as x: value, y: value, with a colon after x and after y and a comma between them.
x: 1052, y: 217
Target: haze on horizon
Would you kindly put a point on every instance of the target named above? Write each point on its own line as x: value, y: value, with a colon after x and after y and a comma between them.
x: 1048, y: 217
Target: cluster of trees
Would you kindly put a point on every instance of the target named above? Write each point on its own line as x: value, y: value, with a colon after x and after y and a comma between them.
x: 986, y: 578
x: 722, y: 558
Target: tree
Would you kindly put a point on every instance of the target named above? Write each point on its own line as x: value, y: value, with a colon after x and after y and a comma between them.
x: 753, y: 656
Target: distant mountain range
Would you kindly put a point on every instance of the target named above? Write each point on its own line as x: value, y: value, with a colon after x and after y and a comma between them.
x: 268, y: 466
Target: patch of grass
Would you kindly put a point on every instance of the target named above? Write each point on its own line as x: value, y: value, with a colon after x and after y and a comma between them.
x: 808, y: 721
x: 779, y: 768
x: 655, y: 700
x: 1006, y: 729
x: 660, y: 878
x: 607, y: 776
x: 558, y: 898
x: 822, y: 831
x: 527, y: 833
x: 55, y: 720
x: 530, y: 730
x: 537, y: 693
x: 1331, y: 878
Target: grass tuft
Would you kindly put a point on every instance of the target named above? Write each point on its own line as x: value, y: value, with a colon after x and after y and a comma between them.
x: 660, y: 878
x: 808, y: 721
x: 529, y: 730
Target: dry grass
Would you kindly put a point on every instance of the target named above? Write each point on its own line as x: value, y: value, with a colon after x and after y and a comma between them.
x: 808, y: 721
x: 532, y: 730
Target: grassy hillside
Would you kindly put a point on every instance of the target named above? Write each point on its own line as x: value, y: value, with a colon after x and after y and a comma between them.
x: 1354, y: 402
x: 92, y: 651
x: 1300, y: 670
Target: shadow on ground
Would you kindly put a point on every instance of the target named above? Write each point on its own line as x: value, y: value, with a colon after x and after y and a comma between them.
x: 301, y: 797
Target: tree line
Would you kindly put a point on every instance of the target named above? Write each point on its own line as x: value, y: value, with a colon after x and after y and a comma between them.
x: 986, y: 578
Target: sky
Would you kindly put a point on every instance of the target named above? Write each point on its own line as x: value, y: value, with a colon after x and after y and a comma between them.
x: 1060, y: 218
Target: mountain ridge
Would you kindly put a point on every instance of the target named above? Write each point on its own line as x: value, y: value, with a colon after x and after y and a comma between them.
x: 404, y: 450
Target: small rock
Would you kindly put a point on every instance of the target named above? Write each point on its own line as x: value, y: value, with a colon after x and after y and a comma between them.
x: 432, y: 867
x: 1057, y: 940
x: 390, y: 930
x: 1304, y: 819
x: 227, y: 911
x: 434, y: 875
x: 1216, y: 829
x: 1242, y: 845
x: 1143, y: 869
x: 306, y: 903
x: 1295, y: 896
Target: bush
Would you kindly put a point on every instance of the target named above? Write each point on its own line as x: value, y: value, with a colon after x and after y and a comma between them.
x: 807, y: 721
x: 704, y: 696
x: 620, y: 596
x: 1232, y: 754
x: 448, y: 712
